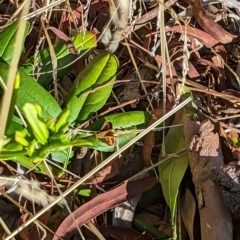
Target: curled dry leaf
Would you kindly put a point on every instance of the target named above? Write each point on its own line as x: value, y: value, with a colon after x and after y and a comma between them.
x: 102, y: 203
x: 209, y: 25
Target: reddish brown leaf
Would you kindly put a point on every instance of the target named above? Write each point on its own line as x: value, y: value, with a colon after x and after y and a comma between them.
x: 65, y: 38
x: 149, y: 137
x: 101, y: 203
x: 151, y: 14
x: 192, y: 72
x: 97, y: 5
x: 24, y: 233
x: 209, y: 25
x: 77, y: 15
x: 203, y: 37
x: 106, y: 173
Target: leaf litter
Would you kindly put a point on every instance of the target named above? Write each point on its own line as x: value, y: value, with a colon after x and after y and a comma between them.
x: 212, y: 75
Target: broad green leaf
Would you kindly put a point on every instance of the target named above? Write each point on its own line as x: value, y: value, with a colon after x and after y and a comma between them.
x: 92, y: 87
x: 8, y: 39
x: 172, y: 171
x: 122, y: 120
x: 125, y: 126
x: 30, y: 91
x: 84, y: 43
x: 62, y: 156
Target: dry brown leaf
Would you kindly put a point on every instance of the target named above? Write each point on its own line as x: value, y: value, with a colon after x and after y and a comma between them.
x: 203, y: 37
x: 209, y: 25
x: 149, y: 139
x: 108, y: 172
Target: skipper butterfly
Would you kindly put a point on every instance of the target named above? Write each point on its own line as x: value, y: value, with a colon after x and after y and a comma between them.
x: 106, y: 134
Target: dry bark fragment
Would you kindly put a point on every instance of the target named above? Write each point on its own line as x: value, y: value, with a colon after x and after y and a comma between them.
x: 205, y: 154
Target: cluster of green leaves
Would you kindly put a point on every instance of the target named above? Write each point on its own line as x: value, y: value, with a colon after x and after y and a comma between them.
x: 47, y: 130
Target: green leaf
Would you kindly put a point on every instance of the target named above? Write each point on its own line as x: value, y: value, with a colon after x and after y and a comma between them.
x: 125, y: 126
x: 84, y: 43
x: 143, y: 225
x: 62, y: 156
x: 30, y: 91
x: 97, y: 144
x: 15, y: 125
x: 28, y: 163
x: 12, y: 155
x: 34, y: 119
x: 172, y: 171
x: 8, y: 39
x: 122, y: 120
x: 186, y: 93
x: 92, y: 87
x: 86, y: 192
x: 149, y: 197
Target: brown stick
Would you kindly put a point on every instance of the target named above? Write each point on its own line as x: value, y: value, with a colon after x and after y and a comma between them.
x: 205, y: 154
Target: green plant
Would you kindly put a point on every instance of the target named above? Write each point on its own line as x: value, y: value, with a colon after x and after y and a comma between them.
x: 48, y: 129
